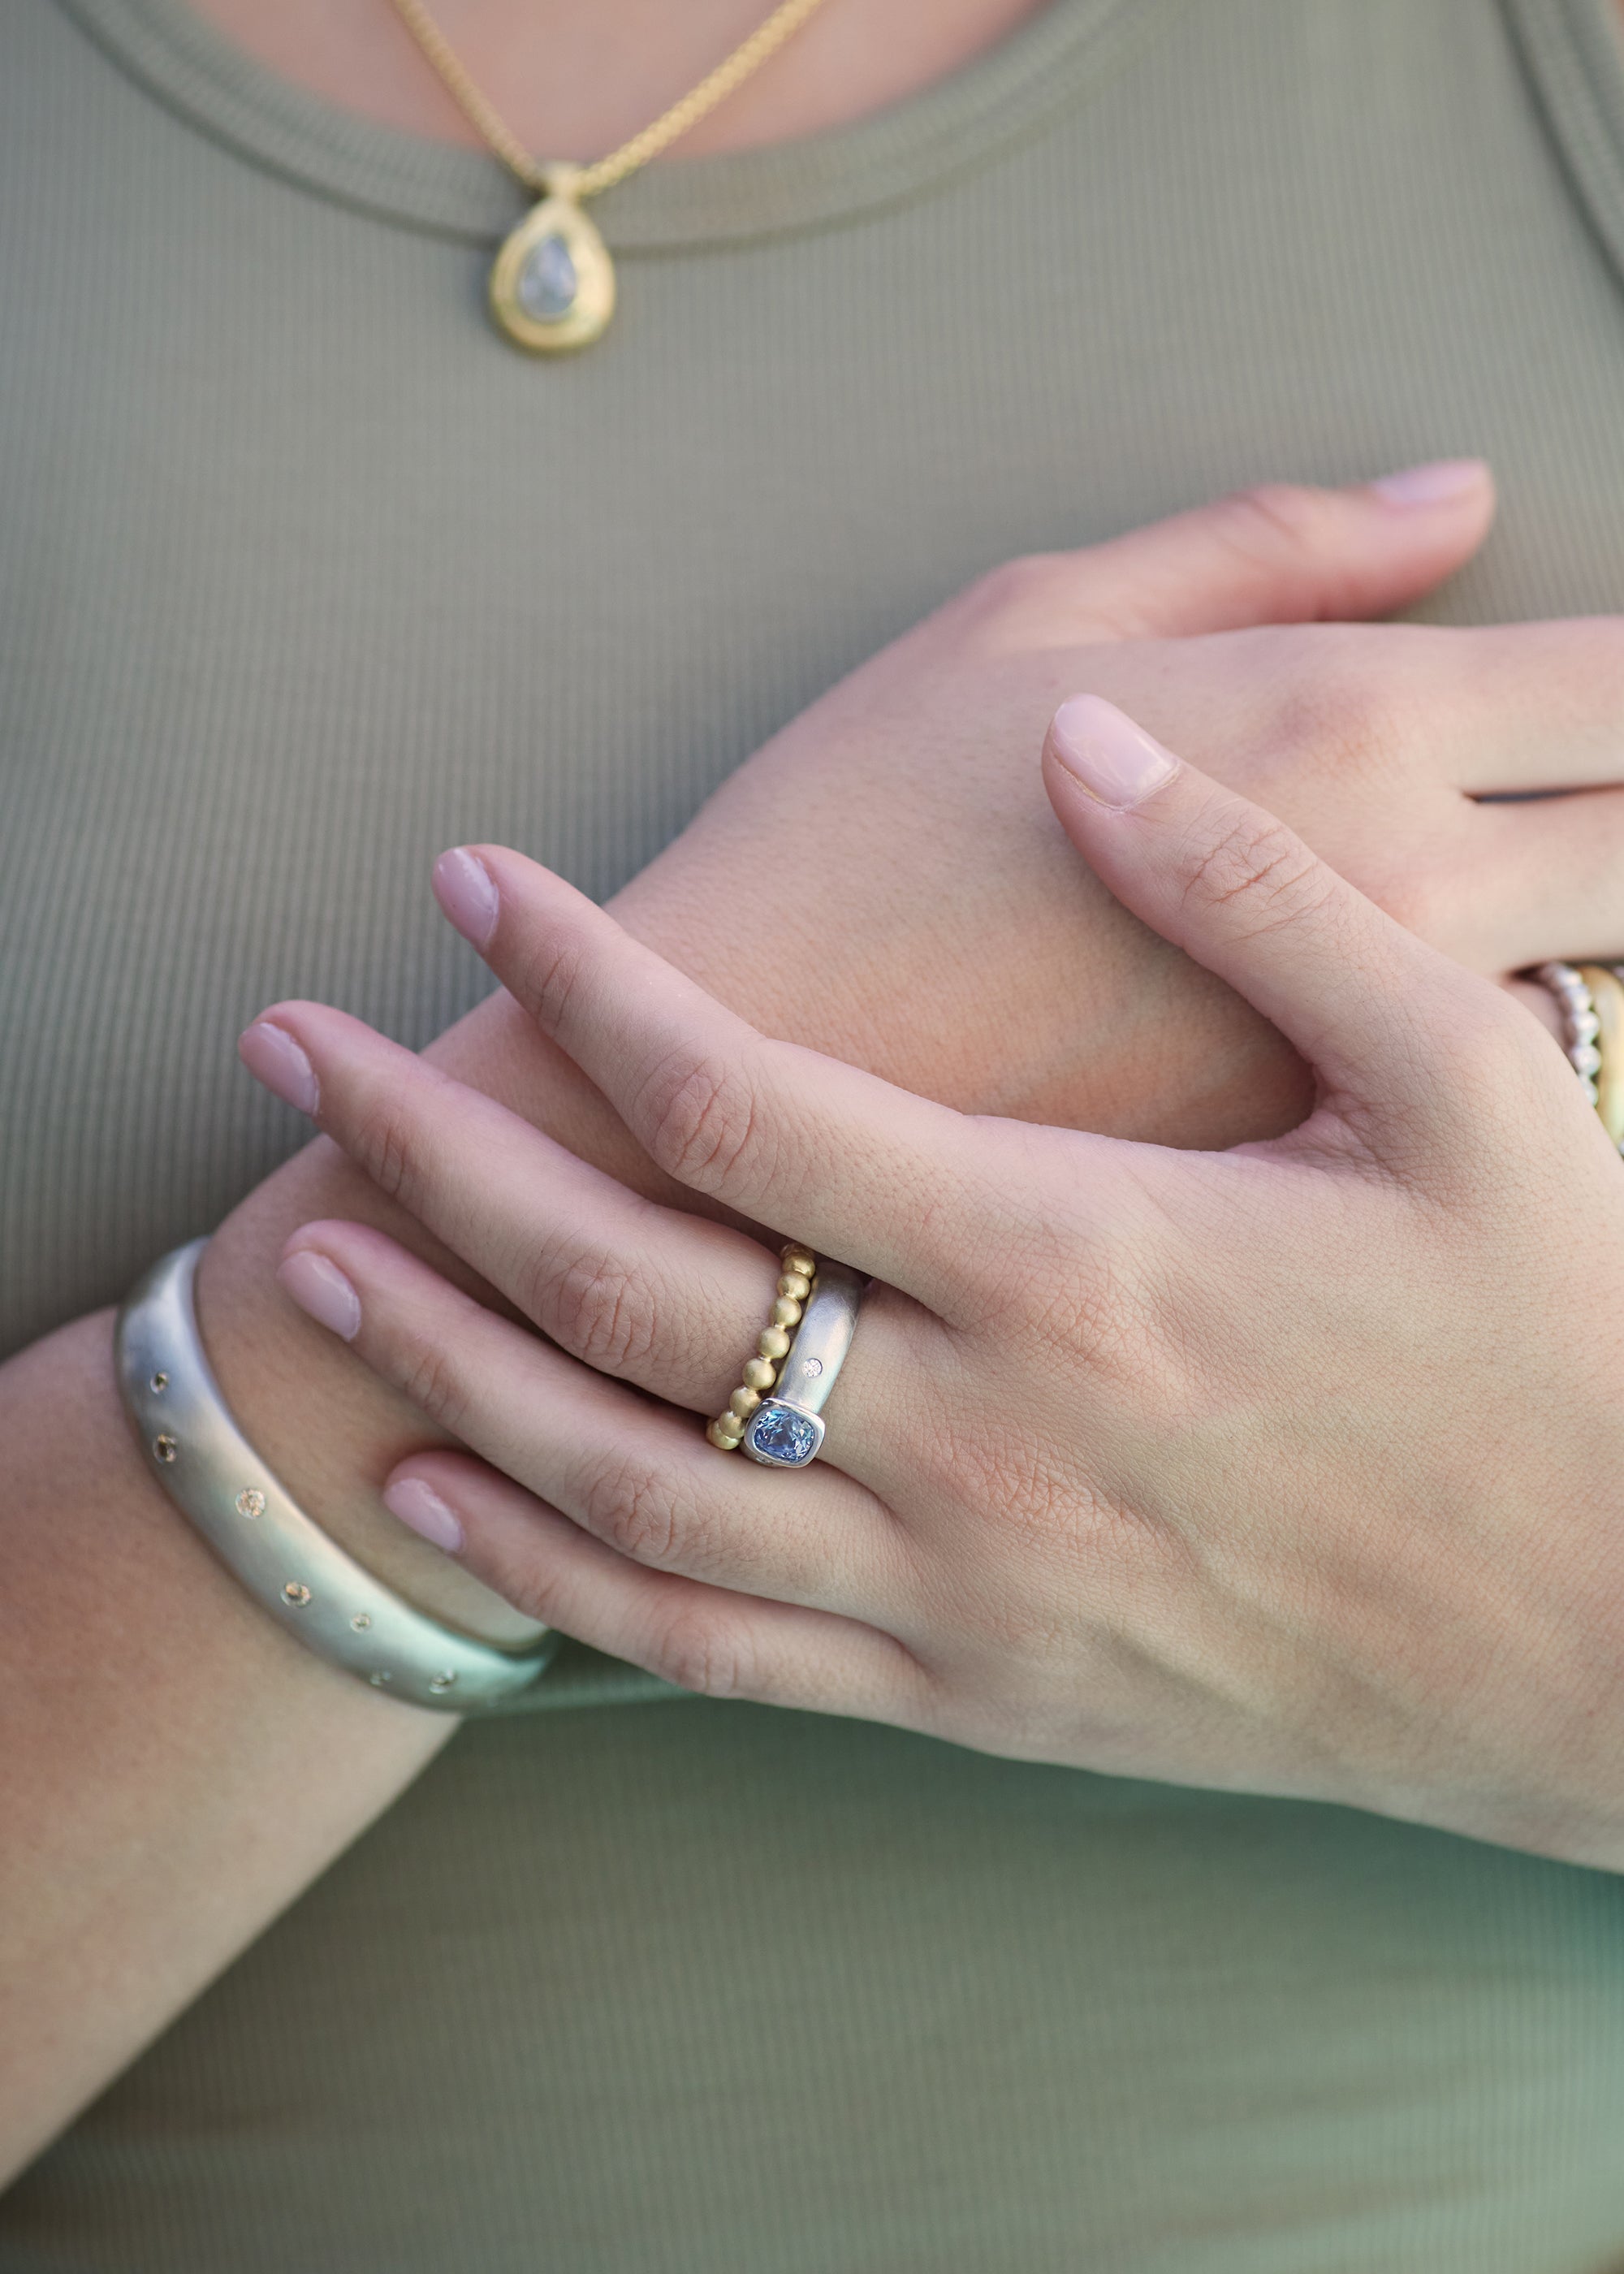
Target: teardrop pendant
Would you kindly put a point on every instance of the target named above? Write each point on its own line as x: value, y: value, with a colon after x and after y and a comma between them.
x: 553, y: 286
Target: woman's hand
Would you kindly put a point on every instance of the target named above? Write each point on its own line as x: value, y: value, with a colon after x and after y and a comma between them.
x: 817, y: 852
x: 894, y: 840
x: 925, y: 969
x: 1295, y: 1469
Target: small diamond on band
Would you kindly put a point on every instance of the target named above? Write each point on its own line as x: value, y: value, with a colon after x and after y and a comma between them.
x: 380, y: 1679
x: 439, y: 1682
x: 251, y: 1501
x: 295, y: 1592
x: 812, y: 1368
x: 159, y: 1383
x: 361, y: 1621
x: 165, y: 1448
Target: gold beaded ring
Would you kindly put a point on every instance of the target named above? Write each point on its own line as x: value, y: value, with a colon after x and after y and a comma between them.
x: 795, y: 1283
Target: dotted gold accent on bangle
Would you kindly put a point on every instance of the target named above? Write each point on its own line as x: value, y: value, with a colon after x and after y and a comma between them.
x: 1608, y: 1001
x: 284, y: 1559
x: 1579, y: 1024
x: 796, y: 1277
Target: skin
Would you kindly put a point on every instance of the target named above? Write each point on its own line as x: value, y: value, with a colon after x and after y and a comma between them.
x: 575, y: 81
x: 178, y: 1845
x: 1289, y: 1469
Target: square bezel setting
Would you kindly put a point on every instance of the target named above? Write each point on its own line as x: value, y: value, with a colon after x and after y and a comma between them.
x: 783, y: 1437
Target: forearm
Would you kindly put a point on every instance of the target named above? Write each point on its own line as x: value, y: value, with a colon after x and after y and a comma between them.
x: 174, y: 1770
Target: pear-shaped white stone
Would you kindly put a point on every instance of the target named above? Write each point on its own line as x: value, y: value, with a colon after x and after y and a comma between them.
x: 553, y: 286
x: 548, y: 283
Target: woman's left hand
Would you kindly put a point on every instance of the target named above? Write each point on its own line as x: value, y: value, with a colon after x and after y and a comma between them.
x: 1297, y: 1469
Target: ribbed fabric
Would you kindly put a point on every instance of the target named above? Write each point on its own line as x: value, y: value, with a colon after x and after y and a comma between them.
x: 303, y: 577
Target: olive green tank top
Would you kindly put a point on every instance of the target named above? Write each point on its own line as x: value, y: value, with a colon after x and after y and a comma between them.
x: 304, y: 575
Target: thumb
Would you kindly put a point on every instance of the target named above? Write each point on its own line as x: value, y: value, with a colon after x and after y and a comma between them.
x: 1240, y: 893
x: 1283, y: 555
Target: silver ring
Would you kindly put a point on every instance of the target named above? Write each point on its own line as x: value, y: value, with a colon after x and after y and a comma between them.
x: 787, y: 1430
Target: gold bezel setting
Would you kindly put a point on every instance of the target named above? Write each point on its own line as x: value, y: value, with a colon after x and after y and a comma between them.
x: 587, y: 317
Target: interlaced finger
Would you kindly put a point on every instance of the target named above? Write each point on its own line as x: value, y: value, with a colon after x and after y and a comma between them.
x: 807, y: 1144
x: 635, y: 1474
x: 676, y: 1303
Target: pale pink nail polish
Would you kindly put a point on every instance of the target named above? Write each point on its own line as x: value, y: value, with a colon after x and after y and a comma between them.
x: 320, y: 1288
x: 273, y: 1057
x: 1117, y: 763
x: 420, y: 1508
x: 466, y: 890
x: 1433, y: 484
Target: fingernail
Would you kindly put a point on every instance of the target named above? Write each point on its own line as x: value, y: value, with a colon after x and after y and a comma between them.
x: 1117, y: 763
x: 421, y: 1509
x: 1433, y: 484
x: 273, y: 1057
x: 321, y: 1289
x: 466, y: 890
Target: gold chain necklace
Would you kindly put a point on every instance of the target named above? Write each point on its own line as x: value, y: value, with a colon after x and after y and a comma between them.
x: 553, y: 286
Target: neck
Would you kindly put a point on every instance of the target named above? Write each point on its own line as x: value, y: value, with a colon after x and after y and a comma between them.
x: 575, y: 77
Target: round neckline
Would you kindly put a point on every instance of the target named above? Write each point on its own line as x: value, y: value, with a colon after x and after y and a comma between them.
x: 1574, y: 54
x: 1003, y: 98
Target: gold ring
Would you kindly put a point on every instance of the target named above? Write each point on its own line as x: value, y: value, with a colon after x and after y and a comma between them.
x: 798, y: 1270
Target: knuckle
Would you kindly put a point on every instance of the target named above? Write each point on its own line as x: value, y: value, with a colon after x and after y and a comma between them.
x: 695, y: 1653
x: 1351, y: 708
x: 1016, y: 584
x: 1100, y: 1314
x: 1259, y: 524
x: 697, y: 1115
x: 631, y: 1504
x: 431, y: 1379
x: 383, y: 1143
x: 546, y: 971
x: 532, y: 1588
x: 1020, y: 592
x: 1255, y: 873
x: 599, y: 1308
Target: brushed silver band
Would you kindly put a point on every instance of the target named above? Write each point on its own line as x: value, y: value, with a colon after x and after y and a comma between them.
x: 792, y: 1416
x: 304, y: 1579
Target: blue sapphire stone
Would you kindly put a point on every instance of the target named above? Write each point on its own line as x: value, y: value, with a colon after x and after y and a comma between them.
x: 784, y: 1435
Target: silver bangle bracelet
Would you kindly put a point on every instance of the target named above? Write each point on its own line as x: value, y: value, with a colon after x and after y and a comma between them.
x: 303, y: 1578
